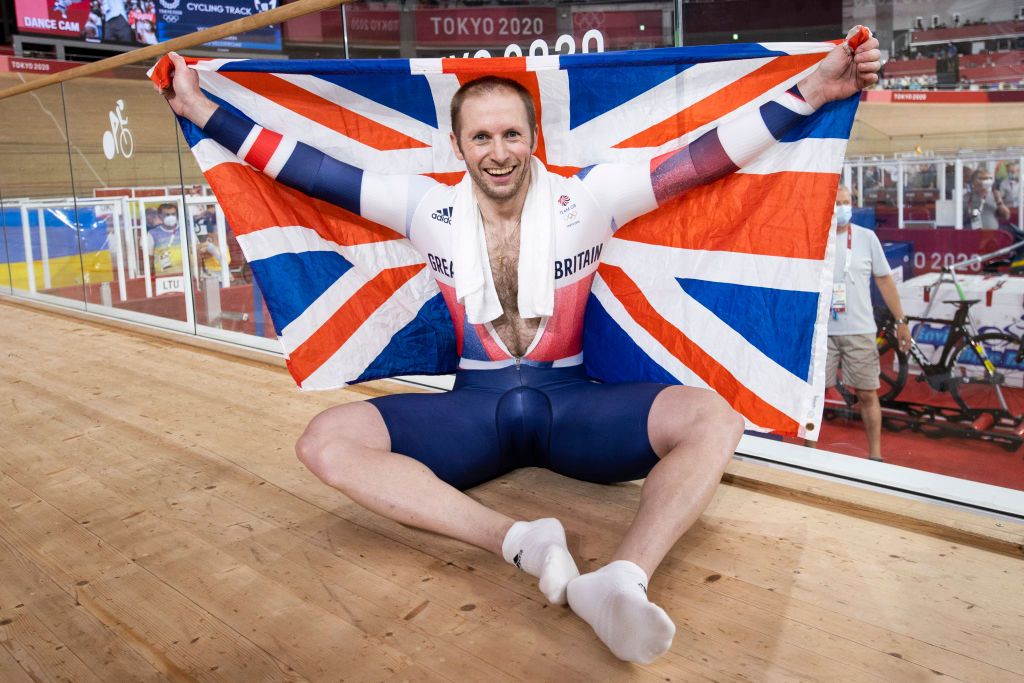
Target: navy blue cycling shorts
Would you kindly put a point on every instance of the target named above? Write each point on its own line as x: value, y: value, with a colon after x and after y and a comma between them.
x: 496, y: 421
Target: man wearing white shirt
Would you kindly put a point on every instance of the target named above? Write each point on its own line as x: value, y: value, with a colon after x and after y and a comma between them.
x: 1009, y: 187
x: 851, y: 325
x: 115, y: 22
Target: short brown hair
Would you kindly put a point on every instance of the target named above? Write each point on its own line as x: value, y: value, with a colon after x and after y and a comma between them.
x: 488, y: 84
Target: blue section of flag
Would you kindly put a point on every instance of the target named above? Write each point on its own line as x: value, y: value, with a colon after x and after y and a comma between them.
x: 192, y: 133
x: 472, y: 348
x: 668, y: 56
x: 429, y: 337
x: 775, y: 321
x: 834, y: 120
x: 410, y: 95
x: 291, y: 282
x: 593, y: 92
x: 611, y: 356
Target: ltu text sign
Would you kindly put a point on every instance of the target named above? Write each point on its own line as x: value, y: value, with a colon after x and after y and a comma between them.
x: 181, y: 17
x: 484, y: 27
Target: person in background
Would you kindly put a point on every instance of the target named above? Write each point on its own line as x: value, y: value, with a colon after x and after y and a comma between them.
x: 211, y: 260
x: 1009, y: 187
x: 165, y: 242
x: 115, y: 22
x: 983, y: 204
x: 851, y: 325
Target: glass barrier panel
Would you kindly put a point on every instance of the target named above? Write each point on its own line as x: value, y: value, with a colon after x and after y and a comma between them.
x: 920, y: 193
x: 125, y: 165
x: 5, y: 262
x: 1007, y: 193
x: 41, y: 230
x: 952, y: 403
x: 228, y: 302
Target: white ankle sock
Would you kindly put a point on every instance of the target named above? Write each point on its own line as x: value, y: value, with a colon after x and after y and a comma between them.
x: 613, y: 600
x: 539, y: 549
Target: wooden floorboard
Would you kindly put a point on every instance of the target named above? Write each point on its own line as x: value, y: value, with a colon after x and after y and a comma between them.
x: 156, y: 525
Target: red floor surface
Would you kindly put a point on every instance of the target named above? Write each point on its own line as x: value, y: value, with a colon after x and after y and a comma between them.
x: 956, y: 457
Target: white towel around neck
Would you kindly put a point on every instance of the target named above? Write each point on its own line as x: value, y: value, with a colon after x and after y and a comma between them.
x: 474, y: 284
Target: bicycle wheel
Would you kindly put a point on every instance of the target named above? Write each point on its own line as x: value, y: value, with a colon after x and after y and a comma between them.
x: 978, y: 388
x: 127, y: 143
x: 893, y: 366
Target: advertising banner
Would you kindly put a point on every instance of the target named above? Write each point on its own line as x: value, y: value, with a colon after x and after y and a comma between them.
x: 181, y: 17
x: 121, y: 22
x: 623, y: 30
x: 484, y: 27
x: 372, y: 27
x: 29, y: 65
x: 942, y: 97
x: 937, y: 249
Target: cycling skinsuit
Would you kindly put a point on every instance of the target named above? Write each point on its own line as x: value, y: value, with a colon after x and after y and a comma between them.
x: 507, y: 412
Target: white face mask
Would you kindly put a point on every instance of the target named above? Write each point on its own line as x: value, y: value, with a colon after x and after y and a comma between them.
x: 987, y: 183
x: 843, y: 214
x: 170, y: 221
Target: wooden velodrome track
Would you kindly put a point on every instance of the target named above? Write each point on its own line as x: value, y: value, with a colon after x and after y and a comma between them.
x: 155, y: 525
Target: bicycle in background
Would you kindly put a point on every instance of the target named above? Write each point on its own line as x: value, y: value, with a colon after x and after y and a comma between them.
x: 964, y: 392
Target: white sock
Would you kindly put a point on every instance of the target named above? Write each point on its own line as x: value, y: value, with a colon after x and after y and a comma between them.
x: 613, y: 600
x: 539, y: 549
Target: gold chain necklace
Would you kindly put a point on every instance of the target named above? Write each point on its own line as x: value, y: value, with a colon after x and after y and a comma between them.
x: 501, y: 257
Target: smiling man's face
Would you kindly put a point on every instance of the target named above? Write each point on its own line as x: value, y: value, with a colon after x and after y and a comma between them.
x: 496, y: 143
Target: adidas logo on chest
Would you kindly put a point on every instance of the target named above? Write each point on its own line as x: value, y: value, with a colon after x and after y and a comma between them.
x: 443, y: 215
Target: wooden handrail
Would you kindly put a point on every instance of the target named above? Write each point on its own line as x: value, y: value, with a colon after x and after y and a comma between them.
x: 231, y: 28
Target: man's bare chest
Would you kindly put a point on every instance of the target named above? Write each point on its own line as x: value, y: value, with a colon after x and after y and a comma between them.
x: 515, y: 332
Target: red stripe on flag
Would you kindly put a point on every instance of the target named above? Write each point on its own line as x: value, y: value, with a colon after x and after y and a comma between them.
x: 564, y: 171
x: 452, y: 178
x: 263, y: 148
x: 323, y: 111
x: 324, y: 343
x: 474, y: 67
x: 252, y: 202
x: 746, y: 213
x: 742, y: 399
x: 723, y: 101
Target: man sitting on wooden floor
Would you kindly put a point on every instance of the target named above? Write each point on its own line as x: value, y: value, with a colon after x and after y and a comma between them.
x: 408, y: 456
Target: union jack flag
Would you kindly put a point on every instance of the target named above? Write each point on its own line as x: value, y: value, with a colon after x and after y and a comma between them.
x: 719, y: 288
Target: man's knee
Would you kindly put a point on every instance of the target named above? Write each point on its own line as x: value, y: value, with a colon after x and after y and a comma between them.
x: 867, y: 396
x: 336, y: 437
x: 689, y: 415
x: 719, y: 416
